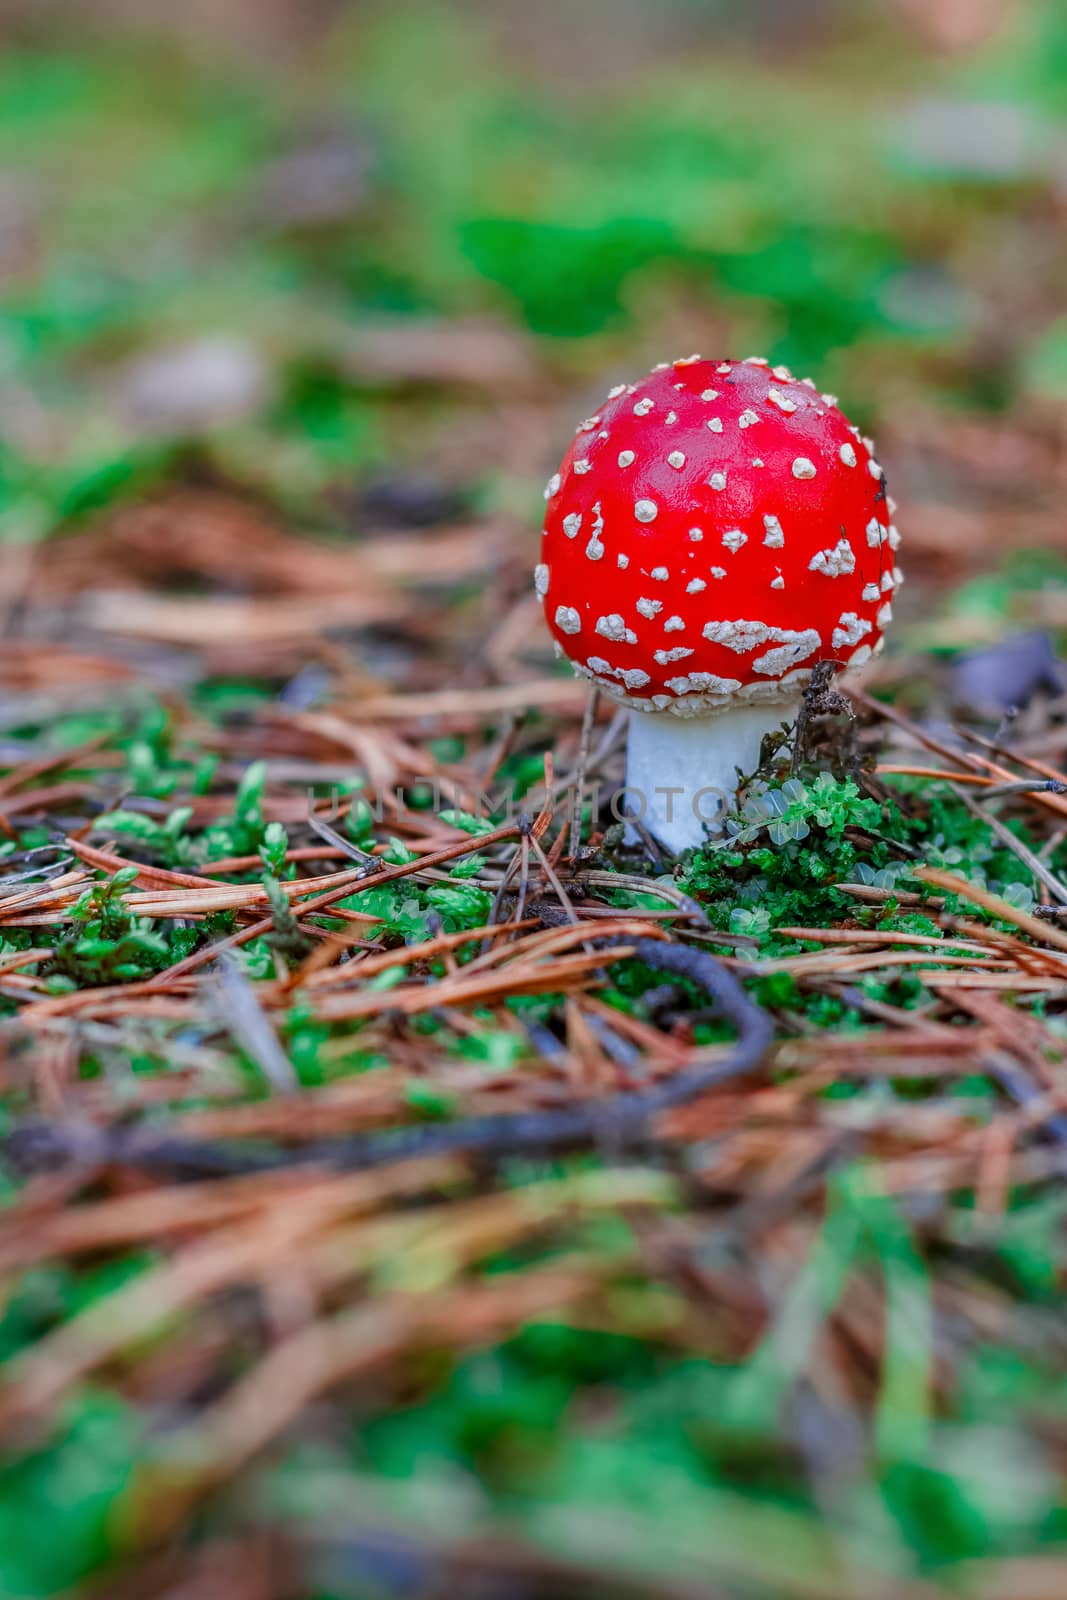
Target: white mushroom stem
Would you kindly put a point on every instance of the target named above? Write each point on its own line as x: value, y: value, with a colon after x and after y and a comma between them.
x: 681, y: 772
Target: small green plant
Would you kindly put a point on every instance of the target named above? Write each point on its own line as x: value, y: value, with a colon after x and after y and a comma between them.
x: 166, y: 842
x: 273, y: 848
x: 241, y: 833
x: 791, y: 845
x: 791, y: 812
x: 787, y: 849
x: 108, y: 944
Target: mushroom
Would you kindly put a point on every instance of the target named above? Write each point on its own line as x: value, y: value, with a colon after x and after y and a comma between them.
x: 713, y: 532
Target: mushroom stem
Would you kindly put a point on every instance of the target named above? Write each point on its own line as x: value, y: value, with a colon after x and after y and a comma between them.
x: 681, y: 772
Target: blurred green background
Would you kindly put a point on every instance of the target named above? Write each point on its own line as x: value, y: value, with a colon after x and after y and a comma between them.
x: 269, y: 233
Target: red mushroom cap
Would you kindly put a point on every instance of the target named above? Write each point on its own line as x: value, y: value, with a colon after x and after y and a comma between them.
x: 712, y: 533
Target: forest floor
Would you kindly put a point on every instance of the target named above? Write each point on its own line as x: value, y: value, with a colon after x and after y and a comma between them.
x: 331, y: 1266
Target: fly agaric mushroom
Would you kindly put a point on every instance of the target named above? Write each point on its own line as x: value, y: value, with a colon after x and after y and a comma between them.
x: 713, y: 532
